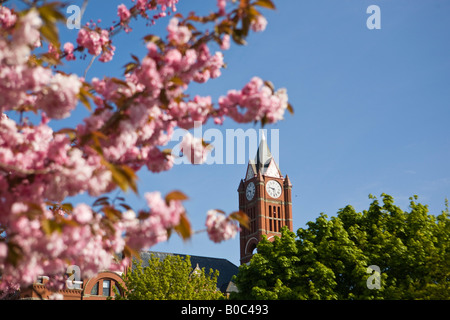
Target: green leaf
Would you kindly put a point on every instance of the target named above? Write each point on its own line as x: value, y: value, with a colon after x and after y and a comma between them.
x: 50, y: 32
x: 290, y: 108
x: 177, y: 81
x: 111, y: 213
x: 156, y: 40
x: 101, y: 201
x: 184, y: 227
x: 151, y: 38
x: 72, y: 133
x: 34, y: 211
x: 15, y: 253
x: 123, y: 176
x: 265, y: 3
x: 129, y: 67
x: 51, y: 13
x: 83, y: 97
x: 270, y: 85
x: 125, y: 206
x: 242, y: 218
x: 129, y: 252
x: 50, y: 16
x: 238, y: 37
x: 50, y: 226
x: 50, y: 59
x: 175, y: 195
x: 68, y: 207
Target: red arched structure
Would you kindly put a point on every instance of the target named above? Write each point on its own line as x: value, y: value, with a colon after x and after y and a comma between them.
x: 102, y: 286
x: 104, y: 281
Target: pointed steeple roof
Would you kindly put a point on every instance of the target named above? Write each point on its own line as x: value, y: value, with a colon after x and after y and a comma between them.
x: 287, y: 181
x: 263, y: 155
x: 263, y: 159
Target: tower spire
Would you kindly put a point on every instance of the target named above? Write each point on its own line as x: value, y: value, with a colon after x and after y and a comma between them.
x: 264, y: 162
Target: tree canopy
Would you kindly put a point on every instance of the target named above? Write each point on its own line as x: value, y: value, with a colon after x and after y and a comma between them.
x: 330, y: 258
x: 171, y: 278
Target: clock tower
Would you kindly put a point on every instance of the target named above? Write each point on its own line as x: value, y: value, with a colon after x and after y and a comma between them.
x: 265, y: 196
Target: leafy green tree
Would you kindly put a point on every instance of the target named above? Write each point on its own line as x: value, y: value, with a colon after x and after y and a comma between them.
x: 330, y: 258
x: 172, y: 278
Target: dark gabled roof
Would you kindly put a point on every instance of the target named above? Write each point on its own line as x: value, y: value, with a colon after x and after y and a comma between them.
x: 226, y: 269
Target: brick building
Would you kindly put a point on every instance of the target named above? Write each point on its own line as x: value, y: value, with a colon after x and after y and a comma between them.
x: 265, y: 196
x: 99, y: 287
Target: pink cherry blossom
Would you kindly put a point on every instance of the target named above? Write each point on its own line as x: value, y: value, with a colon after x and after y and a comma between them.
x: 220, y: 227
x: 256, y: 101
x: 82, y: 213
x: 60, y: 96
x: 221, y: 4
x: 168, y: 214
x: 194, y: 149
x: 141, y: 5
x: 153, y: 229
x: 178, y: 34
x: 259, y: 24
x: 225, y: 42
x: 123, y: 13
x: 68, y: 50
x: 53, y: 51
x: 28, y: 30
x: 167, y: 3
x: 94, y: 41
x: 107, y: 55
x: 158, y: 161
x: 24, y: 36
x: 7, y: 18
x: 3, y: 251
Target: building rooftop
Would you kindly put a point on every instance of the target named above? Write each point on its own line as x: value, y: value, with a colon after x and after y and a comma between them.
x: 226, y: 269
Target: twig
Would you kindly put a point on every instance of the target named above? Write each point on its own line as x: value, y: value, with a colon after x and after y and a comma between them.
x: 83, y: 8
x: 88, y: 67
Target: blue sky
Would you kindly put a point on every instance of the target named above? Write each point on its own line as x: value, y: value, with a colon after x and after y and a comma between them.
x: 372, y: 107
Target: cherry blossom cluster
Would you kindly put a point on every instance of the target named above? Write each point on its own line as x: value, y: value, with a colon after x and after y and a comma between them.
x: 194, y: 149
x: 22, y: 85
x: 147, y: 232
x: 255, y: 102
x: 147, y: 126
x: 219, y: 226
x: 96, y: 42
x: 131, y: 121
x: 82, y: 239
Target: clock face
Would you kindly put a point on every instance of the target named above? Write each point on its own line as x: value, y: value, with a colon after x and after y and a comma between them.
x: 250, y: 191
x: 273, y: 189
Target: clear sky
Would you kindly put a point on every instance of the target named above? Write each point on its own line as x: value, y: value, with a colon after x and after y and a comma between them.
x: 372, y: 107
